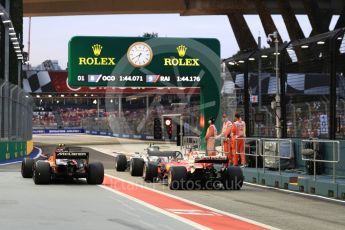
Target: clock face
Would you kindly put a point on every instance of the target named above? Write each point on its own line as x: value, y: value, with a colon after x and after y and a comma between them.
x: 139, y: 54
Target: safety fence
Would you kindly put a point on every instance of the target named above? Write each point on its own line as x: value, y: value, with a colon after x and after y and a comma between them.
x: 15, y: 121
x: 309, y: 153
x: 15, y: 113
x: 258, y: 148
x: 272, y: 152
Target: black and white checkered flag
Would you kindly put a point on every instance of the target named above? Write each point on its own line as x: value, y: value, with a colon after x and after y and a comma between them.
x: 37, y: 82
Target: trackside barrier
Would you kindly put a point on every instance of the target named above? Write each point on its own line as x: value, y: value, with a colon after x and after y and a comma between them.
x: 57, y: 131
x: 15, y: 120
x: 258, y: 148
x: 277, y: 154
x: 335, y: 158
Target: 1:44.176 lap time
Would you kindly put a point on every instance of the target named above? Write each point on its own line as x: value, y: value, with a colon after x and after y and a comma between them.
x: 188, y: 78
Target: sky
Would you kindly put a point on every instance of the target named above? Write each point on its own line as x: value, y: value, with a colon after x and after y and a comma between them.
x: 50, y: 35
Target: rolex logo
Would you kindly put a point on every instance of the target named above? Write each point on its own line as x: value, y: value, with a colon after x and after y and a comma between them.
x: 181, y: 50
x: 173, y: 61
x: 97, y: 49
x: 97, y: 61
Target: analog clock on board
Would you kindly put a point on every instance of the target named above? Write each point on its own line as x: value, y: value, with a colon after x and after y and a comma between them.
x: 139, y: 54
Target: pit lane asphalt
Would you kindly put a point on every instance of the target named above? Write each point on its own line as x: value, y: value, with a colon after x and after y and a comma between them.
x: 278, y: 209
x: 77, y: 205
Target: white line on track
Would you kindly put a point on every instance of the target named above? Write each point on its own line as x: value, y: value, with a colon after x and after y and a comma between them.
x: 194, y: 203
x: 15, y: 162
x: 297, y: 193
x: 105, y: 151
x: 162, y: 211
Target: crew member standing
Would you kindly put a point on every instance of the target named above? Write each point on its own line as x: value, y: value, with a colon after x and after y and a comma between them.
x: 211, y: 138
x: 238, y: 133
x: 226, y: 134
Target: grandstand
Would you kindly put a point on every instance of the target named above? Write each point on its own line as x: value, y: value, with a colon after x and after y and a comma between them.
x: 119, y: 111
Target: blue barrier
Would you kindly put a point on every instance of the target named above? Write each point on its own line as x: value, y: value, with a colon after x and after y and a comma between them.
x: 100, y: 133
x: 55, y: 131
x: 120, y: 135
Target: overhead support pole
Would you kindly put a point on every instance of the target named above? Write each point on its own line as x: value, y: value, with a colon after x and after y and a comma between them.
x: 341, y: 20
x: 290, y: 20
x: 319, y: 20
x: 6, y: 66
x: 294, y: 29
x: 246, y: 96
x: 277, y: 102
x: 244, y: 37
x: 266, y: 19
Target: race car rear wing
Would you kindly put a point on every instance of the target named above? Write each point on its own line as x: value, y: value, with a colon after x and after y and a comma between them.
x: 212, y: 159
x: 173, y: 154
x: 72, y: 155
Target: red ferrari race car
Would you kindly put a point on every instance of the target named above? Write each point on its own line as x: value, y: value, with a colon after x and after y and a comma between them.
x: 195, y: 171
x: 63, y: 164
x: 204, y: 172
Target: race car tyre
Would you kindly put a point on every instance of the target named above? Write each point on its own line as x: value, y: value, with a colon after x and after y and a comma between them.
x: 95, y: 173
x: 136, y: 167
x: 177, y: 177
x: 234, y: 178
x: 150, y: 172
x: 41, y: 173
x: 120, y: 163
x: 27, y: 167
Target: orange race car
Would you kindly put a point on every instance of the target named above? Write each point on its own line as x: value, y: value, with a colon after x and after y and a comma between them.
x: 63, y: 164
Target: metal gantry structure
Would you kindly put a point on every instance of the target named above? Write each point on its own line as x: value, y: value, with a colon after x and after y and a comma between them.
x: 311, y: 80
